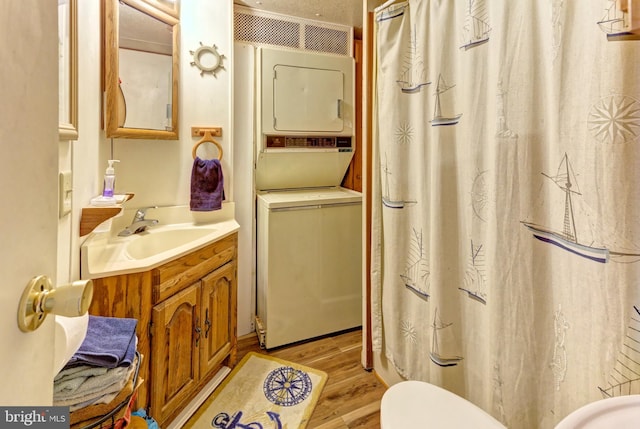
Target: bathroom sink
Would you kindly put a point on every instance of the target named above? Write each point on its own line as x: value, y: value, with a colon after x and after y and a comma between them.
x: 155, y: 241
x: 180, y: 231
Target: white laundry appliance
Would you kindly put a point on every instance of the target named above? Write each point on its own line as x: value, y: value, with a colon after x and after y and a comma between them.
x: 308, y: 228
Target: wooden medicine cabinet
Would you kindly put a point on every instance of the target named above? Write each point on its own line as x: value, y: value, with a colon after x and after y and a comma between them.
x: 140, y: 70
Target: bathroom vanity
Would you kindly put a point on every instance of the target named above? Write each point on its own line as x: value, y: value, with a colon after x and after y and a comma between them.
x: 186, y: 311
x: 185, y: 305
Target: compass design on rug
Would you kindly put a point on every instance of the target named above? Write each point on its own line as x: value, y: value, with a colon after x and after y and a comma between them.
x: 287, y: 386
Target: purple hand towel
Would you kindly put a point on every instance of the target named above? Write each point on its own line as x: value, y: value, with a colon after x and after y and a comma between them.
x: 207, y: 185
x: 110, y: 342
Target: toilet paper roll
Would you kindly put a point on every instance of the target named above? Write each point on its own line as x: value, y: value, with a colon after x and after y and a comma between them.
x: 69, y: 335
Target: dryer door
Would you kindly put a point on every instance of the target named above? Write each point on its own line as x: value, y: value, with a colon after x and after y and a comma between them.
x: 307, y: 99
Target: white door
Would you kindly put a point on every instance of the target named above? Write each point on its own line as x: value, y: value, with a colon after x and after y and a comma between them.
x: 303, y: 92
x: 28, y: 186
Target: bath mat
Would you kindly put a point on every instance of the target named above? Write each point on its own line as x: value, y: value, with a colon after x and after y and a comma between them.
x: 262, y: 392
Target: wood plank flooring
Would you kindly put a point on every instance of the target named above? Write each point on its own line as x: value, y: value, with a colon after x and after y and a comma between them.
x: 351, y: 397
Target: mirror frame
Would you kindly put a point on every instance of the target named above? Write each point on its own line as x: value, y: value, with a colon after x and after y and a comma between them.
x: 173, y: 11
x: 69, y: 130
x: 111, y: 46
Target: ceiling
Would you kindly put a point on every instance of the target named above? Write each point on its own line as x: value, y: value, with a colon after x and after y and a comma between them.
x: 345, y: 12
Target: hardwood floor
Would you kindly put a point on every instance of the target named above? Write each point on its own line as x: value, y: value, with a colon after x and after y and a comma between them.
x: 351, y: 397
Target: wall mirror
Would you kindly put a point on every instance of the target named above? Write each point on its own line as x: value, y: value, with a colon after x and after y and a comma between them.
x: 68, y: 69
x: 141, y: 56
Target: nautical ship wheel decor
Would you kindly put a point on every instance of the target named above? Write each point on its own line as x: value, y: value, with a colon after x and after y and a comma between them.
x: 207, y: 59
x: 287, y: 386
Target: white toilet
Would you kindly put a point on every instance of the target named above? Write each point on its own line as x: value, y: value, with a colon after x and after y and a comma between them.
x: 621, y: 412
x: 416, y: 404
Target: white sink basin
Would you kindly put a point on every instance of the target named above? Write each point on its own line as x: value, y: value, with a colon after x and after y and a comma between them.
x: 153, y: 242
x: 179, y: 232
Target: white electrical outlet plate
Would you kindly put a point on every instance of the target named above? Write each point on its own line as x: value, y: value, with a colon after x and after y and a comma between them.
x: 66, y: 192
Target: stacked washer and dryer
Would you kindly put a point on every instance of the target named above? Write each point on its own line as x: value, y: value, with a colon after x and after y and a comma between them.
x: 308, y: 228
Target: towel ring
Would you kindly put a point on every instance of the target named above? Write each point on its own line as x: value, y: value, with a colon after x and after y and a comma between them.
x: 207, y: 139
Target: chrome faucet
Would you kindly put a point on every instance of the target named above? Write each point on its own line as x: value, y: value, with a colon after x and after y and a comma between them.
x: 139, y: 223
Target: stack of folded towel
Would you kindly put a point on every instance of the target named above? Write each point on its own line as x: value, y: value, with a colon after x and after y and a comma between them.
x: 100, y: 374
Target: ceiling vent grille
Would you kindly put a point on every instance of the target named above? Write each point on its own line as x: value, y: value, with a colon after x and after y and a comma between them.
x: 262, y: 28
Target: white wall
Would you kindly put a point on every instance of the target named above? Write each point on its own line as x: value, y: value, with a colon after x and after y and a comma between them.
x: 244, y: 105
x: 156, y: 171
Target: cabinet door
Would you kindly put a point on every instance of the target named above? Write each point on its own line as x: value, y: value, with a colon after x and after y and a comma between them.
x: 218, y: 314
x: 174, y: 345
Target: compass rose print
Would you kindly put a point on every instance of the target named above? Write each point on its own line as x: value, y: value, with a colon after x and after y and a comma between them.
x: 615, y: 119
x: 287, y: 386
x: 404, y: 133
x: 409, y: 332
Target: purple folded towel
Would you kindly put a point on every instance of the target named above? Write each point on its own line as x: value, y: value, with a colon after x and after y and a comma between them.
x: 110, y: 342
x: 207, y: 185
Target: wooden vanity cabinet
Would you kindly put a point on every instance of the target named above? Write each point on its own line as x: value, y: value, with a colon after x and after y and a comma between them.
x: 193, y: 333
x: 186, y: 311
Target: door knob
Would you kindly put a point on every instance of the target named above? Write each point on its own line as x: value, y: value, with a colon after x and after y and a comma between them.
x: 41, y: 298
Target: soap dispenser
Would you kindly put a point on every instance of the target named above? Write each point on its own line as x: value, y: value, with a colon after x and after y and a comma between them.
x: 109, y: 179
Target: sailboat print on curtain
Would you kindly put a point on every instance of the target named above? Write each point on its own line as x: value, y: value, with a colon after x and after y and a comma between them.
x: 387, y: 201
x: 474, y: 280
x: 391, y: 12
x: 625, y: 377
x: 476, y: 28
x: 567, y: 239
x: 435, y: 354
x: 438, y: 118
x: 413, y: 75
x: 416, y: 276
x: 614, y: 20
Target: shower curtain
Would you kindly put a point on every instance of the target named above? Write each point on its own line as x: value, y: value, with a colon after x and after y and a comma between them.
x: 506, y: 221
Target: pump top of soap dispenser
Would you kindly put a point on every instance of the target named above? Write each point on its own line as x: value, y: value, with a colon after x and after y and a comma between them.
x: 110, y: 170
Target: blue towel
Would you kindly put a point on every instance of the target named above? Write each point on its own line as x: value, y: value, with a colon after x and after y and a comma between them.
x: 207, y: 185
x: 110, y: 342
